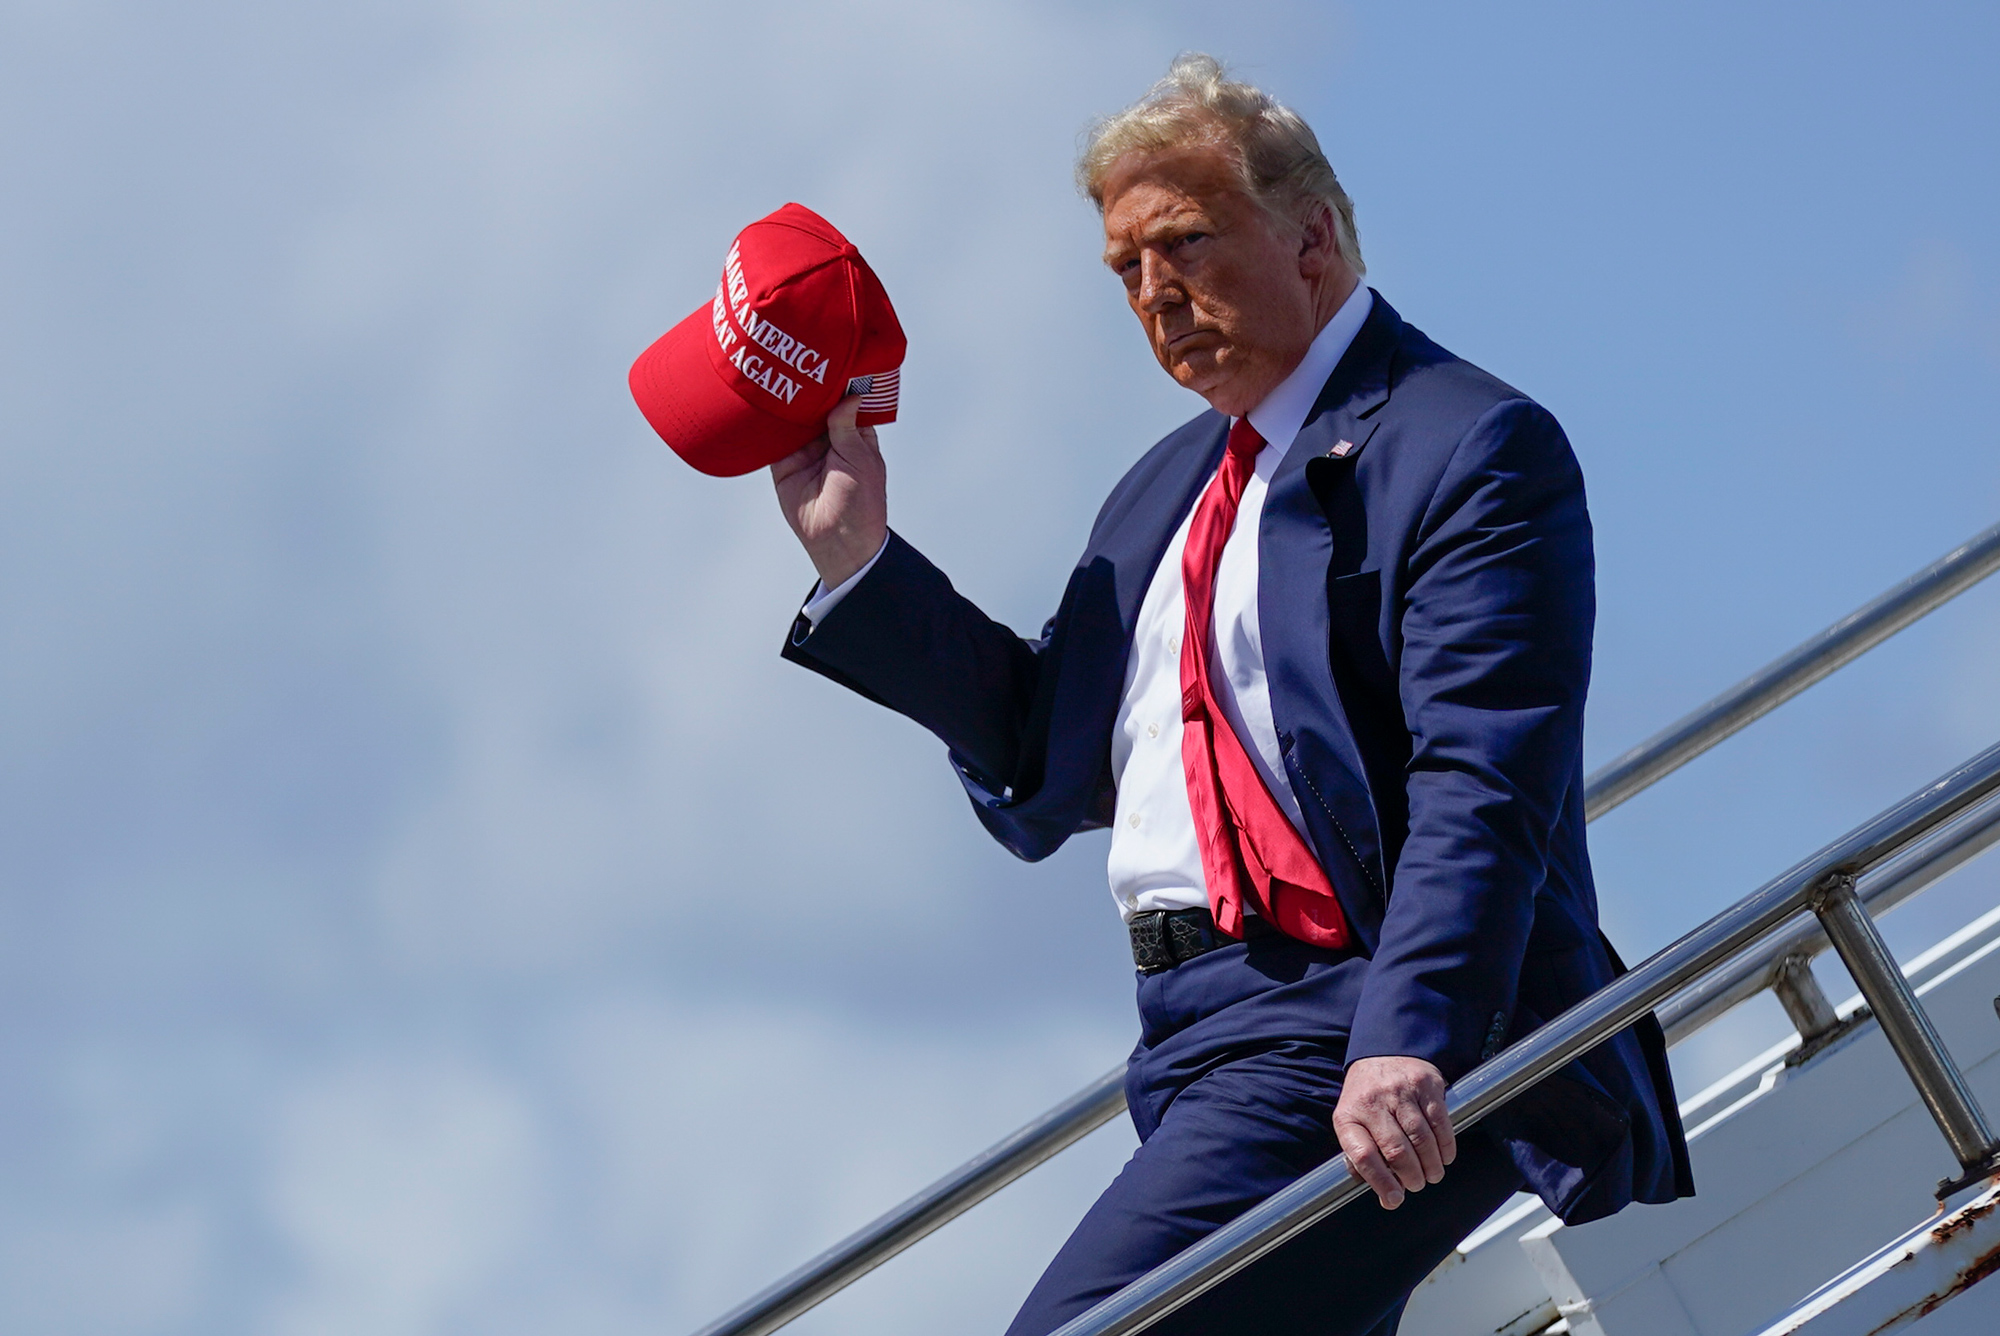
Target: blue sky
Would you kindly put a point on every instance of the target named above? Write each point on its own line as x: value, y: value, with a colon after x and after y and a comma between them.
x: 429, y: 904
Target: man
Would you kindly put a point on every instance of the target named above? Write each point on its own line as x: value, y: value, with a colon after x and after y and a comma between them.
x: 1321, y: 669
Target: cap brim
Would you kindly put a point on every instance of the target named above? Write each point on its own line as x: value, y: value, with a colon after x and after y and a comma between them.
x: 701, y: 418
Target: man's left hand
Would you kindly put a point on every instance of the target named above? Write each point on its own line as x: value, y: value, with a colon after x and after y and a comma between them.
x: 1391, y: 1122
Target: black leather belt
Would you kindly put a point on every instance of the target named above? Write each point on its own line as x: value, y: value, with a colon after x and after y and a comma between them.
x: 1163, y: 938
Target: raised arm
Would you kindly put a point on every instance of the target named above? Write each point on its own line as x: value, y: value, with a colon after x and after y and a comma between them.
x: 901, y: 636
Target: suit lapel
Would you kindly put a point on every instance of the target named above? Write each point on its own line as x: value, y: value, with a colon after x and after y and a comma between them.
x: 1294, y: 549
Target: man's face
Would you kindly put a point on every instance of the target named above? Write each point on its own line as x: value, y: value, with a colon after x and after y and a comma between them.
x: 1225, y: 292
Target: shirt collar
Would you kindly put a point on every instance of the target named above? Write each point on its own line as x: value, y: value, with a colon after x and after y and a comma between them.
x: 1283, y: 412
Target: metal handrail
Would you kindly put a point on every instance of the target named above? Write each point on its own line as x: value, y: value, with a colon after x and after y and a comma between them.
x: 1816, y: 884
x: 1104, y: 1099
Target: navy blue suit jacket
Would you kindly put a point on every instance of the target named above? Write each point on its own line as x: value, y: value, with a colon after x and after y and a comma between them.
x: 1426, y: 599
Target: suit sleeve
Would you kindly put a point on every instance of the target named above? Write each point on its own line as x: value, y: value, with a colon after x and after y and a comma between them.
x: 1496, y: 625
x: 904, y: 638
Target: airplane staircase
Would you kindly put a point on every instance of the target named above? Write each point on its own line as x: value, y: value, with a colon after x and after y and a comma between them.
x: 1819, y: 1211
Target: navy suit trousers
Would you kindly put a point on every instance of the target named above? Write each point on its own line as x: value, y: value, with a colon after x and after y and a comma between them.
x: 1232, y: 1089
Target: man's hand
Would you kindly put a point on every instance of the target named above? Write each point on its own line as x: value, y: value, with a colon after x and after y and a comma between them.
x: 835, y: 495
x: 1392, y: 1124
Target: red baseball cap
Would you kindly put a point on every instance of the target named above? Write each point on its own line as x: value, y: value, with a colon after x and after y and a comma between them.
x: 798, y: 323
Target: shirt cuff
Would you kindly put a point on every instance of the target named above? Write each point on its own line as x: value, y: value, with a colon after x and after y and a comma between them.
x: 825, y: 600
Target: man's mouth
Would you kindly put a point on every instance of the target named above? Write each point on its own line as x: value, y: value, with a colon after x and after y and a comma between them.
x: 1180, y: 342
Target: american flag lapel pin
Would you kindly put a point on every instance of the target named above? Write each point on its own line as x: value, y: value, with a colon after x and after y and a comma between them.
x: 1342, y: 450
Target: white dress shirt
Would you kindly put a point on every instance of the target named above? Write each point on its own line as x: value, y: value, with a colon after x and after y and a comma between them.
x: 1155, y: 859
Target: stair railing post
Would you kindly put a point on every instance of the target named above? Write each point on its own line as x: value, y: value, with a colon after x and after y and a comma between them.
x: 1805, y: 1002
x: 1910, y: 1032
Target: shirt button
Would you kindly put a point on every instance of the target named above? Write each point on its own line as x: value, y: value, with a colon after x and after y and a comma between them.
x: 1133, y: 821
x: 1152, y: 730
x: 1174, y: 645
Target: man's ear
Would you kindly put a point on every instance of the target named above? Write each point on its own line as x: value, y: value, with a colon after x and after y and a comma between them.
x: 1319, y: 244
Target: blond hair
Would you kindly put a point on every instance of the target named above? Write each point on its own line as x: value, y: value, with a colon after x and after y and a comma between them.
x: 1277, y: 153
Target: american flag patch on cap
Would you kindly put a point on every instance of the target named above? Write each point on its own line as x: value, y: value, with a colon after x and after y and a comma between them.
x: 878, y: 393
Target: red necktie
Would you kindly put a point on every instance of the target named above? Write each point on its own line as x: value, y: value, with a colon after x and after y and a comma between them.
x: 1250, y: 851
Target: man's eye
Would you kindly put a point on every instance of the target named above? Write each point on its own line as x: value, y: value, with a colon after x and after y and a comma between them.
x: 1190, y: 239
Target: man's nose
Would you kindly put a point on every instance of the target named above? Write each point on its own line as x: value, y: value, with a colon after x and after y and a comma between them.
x: 1159, y: 284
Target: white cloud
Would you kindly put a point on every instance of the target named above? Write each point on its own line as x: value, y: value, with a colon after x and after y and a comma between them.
x: 402, y: 1189
x: 105, y: 1270
x: 729, y: 1144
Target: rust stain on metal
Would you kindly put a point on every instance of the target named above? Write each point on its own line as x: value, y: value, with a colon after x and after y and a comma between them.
x: 1982, y: 1266
x: 1960, y: 1221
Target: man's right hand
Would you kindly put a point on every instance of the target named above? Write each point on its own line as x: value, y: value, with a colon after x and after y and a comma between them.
x: 1392, y: 1122
x: 835, y: 495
